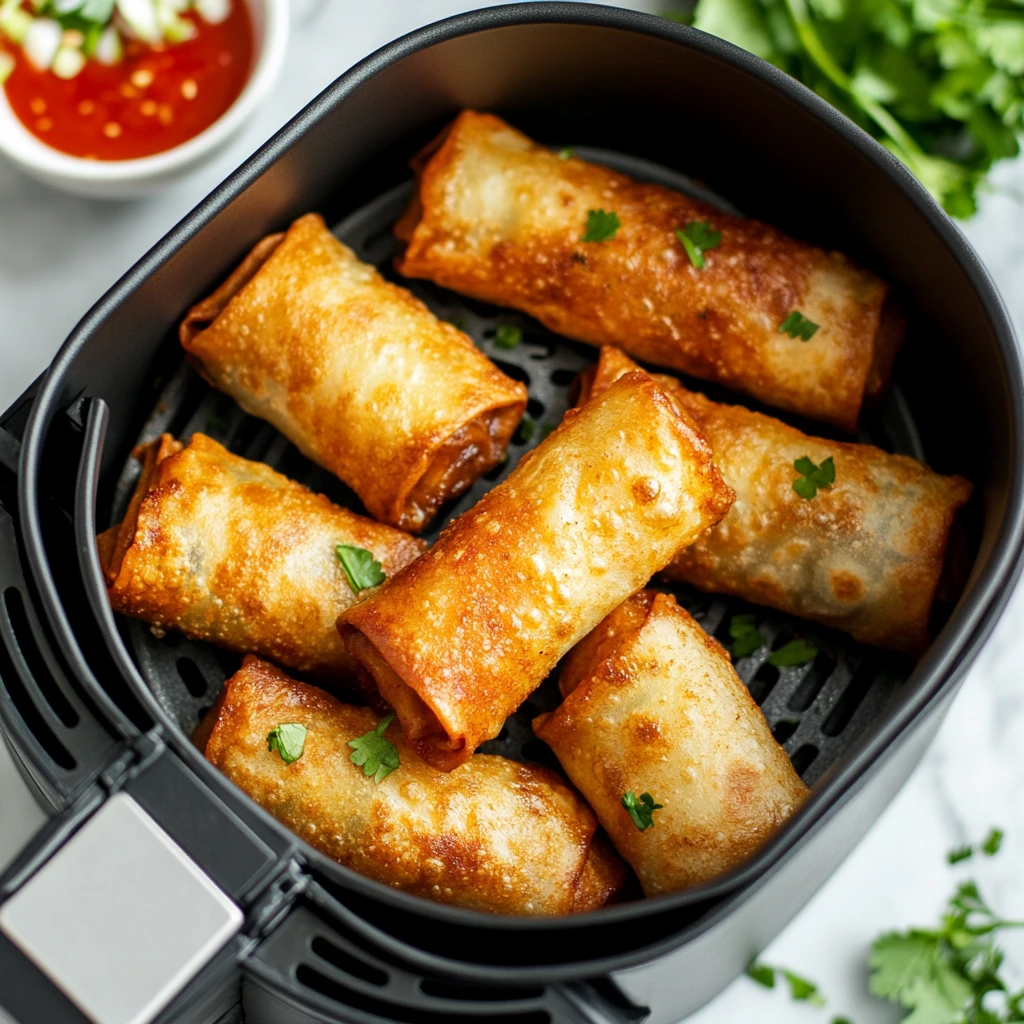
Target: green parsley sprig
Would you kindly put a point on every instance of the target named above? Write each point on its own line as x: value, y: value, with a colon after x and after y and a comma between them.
x: 361, y: 568
x: 940, y: 83
x: 641, y: 809
x: 377, y: 756
x: 697, y: 238
x: 812, y: 476
x: 601, y: 226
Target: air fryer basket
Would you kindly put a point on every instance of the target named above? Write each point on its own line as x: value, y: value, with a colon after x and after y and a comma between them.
x: 646, y: 95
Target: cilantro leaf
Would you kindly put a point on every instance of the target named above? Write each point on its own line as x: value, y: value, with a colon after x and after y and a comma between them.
x: 762, y: 974
x: 993, y: 841
x: 377, y: 756
x: 959, y: 854
x: 527, y: 428
x: 803, y: 991
x: 361, y: 568
x: 697, y: 238
x: 508, y: 336
x: 796, y: 652
x: 812, y: 477
x: 601, y: 226
x: 565, y: 153
x: 641, y: 809
x: 745, y: 635
x: 796, y: 325
x: 288, y: 739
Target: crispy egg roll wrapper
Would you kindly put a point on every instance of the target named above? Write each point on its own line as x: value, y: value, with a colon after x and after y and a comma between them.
x: 459, y: 640
x: 228, y: 550
x: 500, y: 218
x: 495, y: 835
x: 866, y: 555
x: 356, y: 372
x: 653, y: 705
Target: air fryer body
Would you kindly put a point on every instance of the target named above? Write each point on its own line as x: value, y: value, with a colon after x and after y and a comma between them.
x: 316, y: 942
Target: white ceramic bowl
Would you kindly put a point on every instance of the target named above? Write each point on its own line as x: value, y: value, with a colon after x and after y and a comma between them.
x: 126, y: 179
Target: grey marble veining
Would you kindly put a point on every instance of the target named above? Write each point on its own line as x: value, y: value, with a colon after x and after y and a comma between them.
x: 58, y: 254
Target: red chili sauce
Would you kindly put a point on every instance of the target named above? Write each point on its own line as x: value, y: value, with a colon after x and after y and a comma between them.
x: 155, y: 98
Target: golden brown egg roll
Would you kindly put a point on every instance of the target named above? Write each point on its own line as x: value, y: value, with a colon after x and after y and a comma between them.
x: 228, y: 550
x: 865, y: 555
x: 495, y: 835
x: 459, y: 640
x: 653, y: 706
x: 356, y: 372
x: 500, y: 218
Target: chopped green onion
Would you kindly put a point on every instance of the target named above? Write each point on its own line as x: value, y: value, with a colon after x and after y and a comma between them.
x: 108, y: 48
x: 42, y: 41
x: 141, y: 18
x: 14, y: 22
x: 6, y: 66
x: 68, y: 62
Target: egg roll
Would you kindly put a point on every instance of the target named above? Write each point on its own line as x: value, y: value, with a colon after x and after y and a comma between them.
x: 356, y: 372
x: 460, y: 639
x: 652, y: 705
x: 495, y: 836
x: 865, y: 555
x: 497, y: 217
x: 228, y: 550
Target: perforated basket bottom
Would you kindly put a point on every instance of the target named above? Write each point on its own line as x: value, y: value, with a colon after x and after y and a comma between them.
x: 816, y: 711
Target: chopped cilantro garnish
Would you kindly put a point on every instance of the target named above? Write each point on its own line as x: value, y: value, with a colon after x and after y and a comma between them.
x: 601, y: 226
x: 641, y: 809
x: 216, y: 424
x: 288, y: 739
x: 796, y: 325
x: 812, y: 477
x: 698, y: 237
x: 762, y: 974
x: 993, y: 841
x: 803, y: 991
x: 377, y: 756
x: 361, y: 568
x: 527, y: 428
x: 507, y: 336
x: 796, y: 652
x: 959, y: 854
x: 745, y: 635
x: 565, y: 154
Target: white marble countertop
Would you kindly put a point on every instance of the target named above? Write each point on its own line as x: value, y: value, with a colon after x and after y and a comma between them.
x: 58, y: 254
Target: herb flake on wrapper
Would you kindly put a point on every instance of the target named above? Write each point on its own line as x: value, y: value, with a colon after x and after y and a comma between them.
x: 601, y: 226
x: 641, y: 809
x: 288, y: 739
x: 697, y: 238
x: 361, y: 568
x: 377, y: 756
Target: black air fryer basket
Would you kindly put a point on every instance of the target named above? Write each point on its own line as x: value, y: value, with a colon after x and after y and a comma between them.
x: 92, y: 706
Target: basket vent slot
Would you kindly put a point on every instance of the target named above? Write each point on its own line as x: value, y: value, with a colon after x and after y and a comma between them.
x: 444, y: 989
x: 804, y: 758
x: 390, y: 1011
x: 22, y: 630
x: 811, y: 685
x: 192, y: 677
x: 347, y: 963
x: 22, y: 699
x: 851, y: 699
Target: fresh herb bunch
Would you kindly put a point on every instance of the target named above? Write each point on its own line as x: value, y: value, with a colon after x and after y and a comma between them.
x: 950, y: 974
x: 940, y: 83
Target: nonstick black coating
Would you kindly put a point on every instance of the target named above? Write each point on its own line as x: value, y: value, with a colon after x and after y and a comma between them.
x: 604, y: 77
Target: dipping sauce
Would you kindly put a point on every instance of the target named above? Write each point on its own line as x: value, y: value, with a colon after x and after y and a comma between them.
x: 157, y: 97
